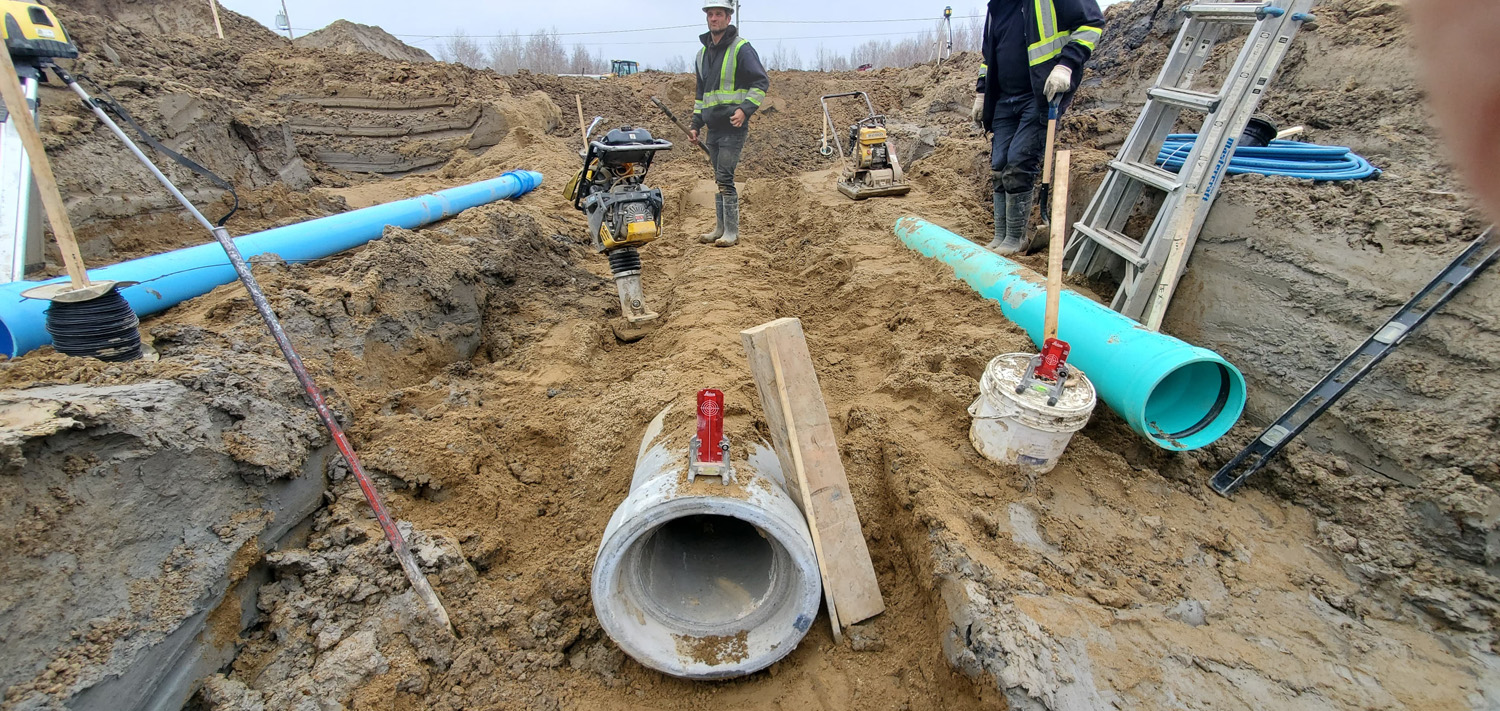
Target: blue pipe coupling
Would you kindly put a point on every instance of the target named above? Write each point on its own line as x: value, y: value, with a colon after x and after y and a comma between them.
x: 167, y: 279
x: 1175, y: 394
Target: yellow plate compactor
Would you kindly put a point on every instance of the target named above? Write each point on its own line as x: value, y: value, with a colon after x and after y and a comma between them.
x: 871, y: 168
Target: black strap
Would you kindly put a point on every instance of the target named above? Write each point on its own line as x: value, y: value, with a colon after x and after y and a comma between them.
x: 108, y: 103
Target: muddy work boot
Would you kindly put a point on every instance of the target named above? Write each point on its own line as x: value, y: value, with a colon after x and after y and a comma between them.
x: 1012, y: 238
x: 999, y: 203
x: 719, y: 224
x: 731, y: 223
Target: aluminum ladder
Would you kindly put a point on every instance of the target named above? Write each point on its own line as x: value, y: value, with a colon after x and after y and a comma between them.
x: 1100, y: 231
x: 1481, y: 253
x: 20, y: 205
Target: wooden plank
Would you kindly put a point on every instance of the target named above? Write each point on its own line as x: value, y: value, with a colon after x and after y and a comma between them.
x: 803, y: 437
x: 802, y: 497
x: 1056, y: 247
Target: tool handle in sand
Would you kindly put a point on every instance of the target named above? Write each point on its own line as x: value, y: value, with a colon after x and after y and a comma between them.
x: 1055, y: 245
x: 1047, y: 159
x: 46, y: 182
x: 583, y: 128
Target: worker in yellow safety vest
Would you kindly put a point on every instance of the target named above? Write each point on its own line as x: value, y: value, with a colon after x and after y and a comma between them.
x: 1034, y: 51
x: 731, y: 85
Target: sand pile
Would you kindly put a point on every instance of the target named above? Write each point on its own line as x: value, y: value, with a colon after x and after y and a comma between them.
x: 352, y: 37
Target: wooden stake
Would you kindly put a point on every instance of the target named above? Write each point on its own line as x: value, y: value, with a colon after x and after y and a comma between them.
x: 583, y: 128
x: 218, y: 28
x: 46, y: 183
x: 1056, y: 246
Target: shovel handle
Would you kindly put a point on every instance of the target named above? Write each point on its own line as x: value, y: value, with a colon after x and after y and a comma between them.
x: 673, y: 118
x: 1052, y: 111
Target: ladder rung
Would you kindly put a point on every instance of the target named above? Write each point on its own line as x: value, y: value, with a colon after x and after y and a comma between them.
x: 1148, y: 174
x: 1115, y: 242
x: 1186, y: 98
x: 1225, y: 11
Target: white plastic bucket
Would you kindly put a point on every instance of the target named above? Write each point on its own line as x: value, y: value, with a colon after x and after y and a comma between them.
x: 1023, y: 429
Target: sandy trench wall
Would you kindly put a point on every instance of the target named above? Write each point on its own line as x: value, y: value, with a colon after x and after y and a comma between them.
x: 136, y: 512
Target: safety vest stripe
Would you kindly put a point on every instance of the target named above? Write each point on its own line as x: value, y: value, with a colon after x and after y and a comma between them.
x: 1087, y: 36
x: 698, y: 105
x: 1046, y: 49
x: 984, y: 69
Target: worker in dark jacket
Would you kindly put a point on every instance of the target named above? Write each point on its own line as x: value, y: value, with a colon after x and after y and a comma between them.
x: 731, y: 85
x: 1034, y: 51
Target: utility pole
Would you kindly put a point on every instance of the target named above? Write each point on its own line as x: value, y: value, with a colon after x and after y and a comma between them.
x: 284, y: 22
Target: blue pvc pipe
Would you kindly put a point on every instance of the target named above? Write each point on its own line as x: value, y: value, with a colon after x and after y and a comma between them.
x: 173, y: 277
x: 1308, y: 161
x: 1175, y: 394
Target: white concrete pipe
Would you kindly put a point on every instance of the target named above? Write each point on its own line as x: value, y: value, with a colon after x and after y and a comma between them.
x: 702, y: 578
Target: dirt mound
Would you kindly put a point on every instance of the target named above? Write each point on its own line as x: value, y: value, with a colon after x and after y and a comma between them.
x: 167, y: 18
x: 353, y: 38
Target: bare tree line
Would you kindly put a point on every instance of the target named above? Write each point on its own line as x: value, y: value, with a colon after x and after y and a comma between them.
x: 543, y: 52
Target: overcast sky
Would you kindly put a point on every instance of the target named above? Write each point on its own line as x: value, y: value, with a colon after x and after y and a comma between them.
x: 798, y: 24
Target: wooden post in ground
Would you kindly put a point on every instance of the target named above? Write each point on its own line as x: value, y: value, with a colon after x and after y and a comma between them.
x: 814, y: 472
x: 583, y: 128
x: 46, y: 182
x: 218, y: 28
x: 1055, y: 247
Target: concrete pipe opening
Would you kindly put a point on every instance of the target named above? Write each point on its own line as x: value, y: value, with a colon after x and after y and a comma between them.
x: 701, y: 579
x: 704, y: 570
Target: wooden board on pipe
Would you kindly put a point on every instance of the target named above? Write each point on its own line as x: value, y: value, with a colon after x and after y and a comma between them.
x: 802, y: 434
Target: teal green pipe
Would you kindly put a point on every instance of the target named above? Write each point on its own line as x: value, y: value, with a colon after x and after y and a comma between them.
x: 1175, y: 394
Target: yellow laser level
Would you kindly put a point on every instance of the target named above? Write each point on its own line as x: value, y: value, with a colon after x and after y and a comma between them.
x: 31, y: 30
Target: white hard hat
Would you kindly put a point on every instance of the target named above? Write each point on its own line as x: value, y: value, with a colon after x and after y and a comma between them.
x: 725, y: 5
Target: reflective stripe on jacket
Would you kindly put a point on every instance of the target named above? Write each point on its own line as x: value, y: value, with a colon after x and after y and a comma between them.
x: 730, y: 76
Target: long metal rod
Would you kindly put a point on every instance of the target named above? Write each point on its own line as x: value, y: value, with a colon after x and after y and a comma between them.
x: 288, y: 17
x: 1481, y: 253
x: 398, y: 543
x: 242, y: 269
x: 15, y: 192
